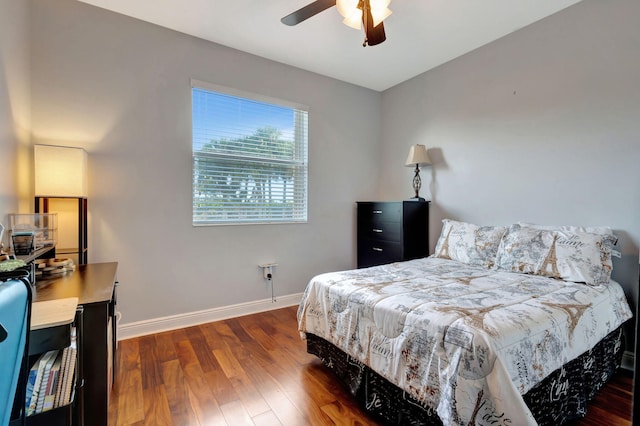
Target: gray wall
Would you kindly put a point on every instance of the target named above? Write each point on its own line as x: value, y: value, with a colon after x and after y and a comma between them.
x: 14, y: 107
x: 542, y: 126
x: 120, y: 88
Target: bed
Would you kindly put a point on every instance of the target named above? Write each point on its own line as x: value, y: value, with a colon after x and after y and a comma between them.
x: 516, y: 325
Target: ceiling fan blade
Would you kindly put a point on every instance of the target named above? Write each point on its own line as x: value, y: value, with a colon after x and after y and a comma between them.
x: 376, y: 35
x: 373, y: 35
x: 307, y: 12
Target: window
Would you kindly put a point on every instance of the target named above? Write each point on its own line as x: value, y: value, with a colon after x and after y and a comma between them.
x: 249, y: 158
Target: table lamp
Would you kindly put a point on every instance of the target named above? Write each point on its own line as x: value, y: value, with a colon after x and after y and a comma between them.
x: 417, y: 156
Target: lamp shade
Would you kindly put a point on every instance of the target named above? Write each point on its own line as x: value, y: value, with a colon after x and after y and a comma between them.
x: 60, y: 171
x: 380, y: 10
x: 352, y: 14
x: 418, y: 156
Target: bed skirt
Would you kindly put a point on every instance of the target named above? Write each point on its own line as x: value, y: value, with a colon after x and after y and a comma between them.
x: 560, y: 397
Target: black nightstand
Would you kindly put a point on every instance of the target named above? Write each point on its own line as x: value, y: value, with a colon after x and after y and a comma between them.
x: 392, y: 231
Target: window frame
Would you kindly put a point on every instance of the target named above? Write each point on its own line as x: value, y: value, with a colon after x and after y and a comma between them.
x: 301, y: 145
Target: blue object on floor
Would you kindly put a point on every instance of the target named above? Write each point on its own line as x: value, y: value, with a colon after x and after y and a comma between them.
x: 15, y: 312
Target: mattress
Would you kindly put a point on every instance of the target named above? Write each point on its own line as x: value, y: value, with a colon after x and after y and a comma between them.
x: 463, y: 341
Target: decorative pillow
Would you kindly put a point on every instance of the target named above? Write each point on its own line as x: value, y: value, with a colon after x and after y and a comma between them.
x: 571, y: 256
x: 469, y: 243
x: 600, y: 230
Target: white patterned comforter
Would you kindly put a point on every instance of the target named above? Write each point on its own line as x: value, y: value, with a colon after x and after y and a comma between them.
x: 464, y: 340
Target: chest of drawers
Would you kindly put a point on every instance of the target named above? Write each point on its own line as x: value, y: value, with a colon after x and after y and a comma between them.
x: 391, y: 231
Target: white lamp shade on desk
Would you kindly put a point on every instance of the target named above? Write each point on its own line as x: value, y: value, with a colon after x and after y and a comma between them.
x: 60, y: 171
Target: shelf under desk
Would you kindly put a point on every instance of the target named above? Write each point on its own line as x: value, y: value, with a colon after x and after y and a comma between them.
x: 52, y: 313
x: 50, y: 324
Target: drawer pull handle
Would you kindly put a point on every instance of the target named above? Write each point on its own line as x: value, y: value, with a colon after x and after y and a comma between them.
x: 377, y: 249
x: 379, y: 231
x: 377, y: 212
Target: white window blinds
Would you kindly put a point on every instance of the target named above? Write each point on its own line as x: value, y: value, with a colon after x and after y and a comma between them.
x: 249, y: 158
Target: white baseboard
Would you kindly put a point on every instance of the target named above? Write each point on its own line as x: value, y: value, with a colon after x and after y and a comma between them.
x: 172, y: 322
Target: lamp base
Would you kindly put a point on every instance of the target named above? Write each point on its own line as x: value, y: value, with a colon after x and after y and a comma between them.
x: 416, y: 199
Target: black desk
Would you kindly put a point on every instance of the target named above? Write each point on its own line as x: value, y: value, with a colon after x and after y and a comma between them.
x: 95, y: 287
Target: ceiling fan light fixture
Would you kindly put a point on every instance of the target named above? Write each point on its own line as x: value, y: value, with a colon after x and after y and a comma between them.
x: 379, y: 4
x: 379, y: 16
x: 351, y: 11
x: 347, y: 8
x: 379, y: 10
x: 354, y: 21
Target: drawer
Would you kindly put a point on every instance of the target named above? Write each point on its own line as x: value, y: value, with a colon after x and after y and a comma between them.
x: 373, y: 253
x: 46, y: 339
x: 380, y: 231
x: 379, y: 212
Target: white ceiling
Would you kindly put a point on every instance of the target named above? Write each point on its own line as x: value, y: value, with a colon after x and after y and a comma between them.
x: 421, y: 34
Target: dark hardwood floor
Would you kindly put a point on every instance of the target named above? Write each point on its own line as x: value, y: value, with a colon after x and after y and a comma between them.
x: 254, y: 370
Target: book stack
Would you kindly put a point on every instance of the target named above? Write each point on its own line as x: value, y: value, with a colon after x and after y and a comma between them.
x: 50, y: 381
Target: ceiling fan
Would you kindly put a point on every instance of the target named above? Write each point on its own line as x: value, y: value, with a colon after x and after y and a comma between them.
x: 370, y: 13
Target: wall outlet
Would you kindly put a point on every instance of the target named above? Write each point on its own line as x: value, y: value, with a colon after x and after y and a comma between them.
x: 267, y: 270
